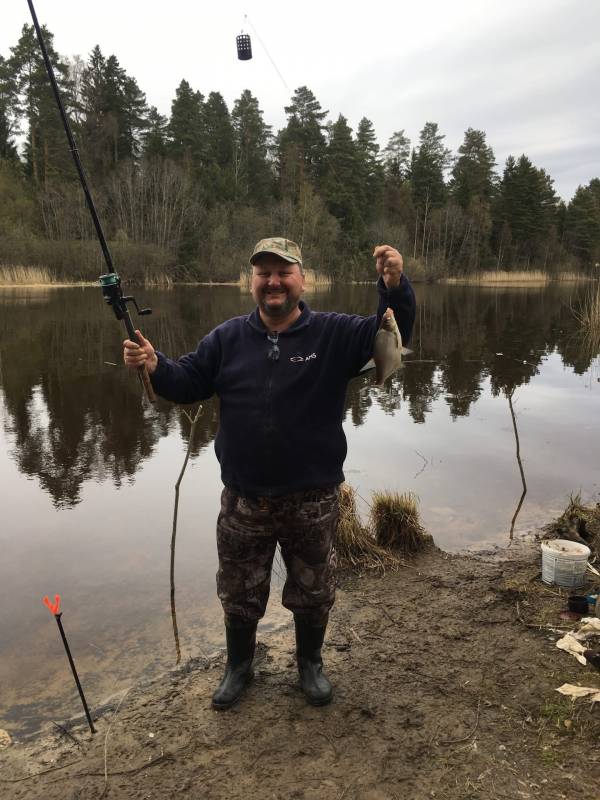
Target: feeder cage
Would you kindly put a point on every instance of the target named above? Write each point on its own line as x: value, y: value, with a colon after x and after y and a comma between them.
x: 244, y: 47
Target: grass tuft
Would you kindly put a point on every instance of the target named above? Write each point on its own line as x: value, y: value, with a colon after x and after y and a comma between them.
x: 396, y: 522
x: 355, y: 545
x: 577, y: 523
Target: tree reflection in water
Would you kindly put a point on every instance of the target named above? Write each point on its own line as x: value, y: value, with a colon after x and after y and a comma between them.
x: 519, y: 462
x: 193, y: 420
x: 74, y: 417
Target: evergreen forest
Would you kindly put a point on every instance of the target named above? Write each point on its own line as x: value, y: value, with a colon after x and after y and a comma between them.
x: 184, y: 198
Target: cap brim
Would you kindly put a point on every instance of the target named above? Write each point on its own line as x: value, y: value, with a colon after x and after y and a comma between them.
x: 290, y: 259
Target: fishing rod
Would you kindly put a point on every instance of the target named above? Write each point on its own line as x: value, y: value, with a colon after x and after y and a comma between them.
x: 110, y: 282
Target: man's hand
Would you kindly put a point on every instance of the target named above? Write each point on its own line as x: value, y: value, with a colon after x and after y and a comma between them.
x: 388, y: 263
x: 137, y: 355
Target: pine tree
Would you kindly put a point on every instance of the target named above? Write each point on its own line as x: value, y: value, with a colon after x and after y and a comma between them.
x: 114, y: 113
x: 583, y: 223
x: 219, y: 134
x: 342, y: 182
x: 186, y: 127
x: 46, y: 155
x: 525, y: 212
x: 95, y: 133
x: 125, y: 111
x: 301, y: 145
x: 429, y: 162
x: 397, y: 200
x: 8, y: 113
x: 371, y: 171
x: 396, y: 157
x: 471, y: 187
x: 472, y: 174
x: 134, y: 120
x: 252, y: 171
x: 154, y: 137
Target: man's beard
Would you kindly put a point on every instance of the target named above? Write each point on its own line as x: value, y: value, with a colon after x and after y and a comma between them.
x: 279, y: 310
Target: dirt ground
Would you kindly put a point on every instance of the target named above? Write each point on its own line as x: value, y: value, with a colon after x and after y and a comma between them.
x: 445, y: 675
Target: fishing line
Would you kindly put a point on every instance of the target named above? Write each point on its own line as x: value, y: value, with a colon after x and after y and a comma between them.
x: 249, y: 21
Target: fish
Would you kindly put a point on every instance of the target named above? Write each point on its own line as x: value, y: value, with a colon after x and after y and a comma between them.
x: 387, y: 349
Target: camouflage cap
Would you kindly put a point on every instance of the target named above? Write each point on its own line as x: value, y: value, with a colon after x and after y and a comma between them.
x: 284, y: 248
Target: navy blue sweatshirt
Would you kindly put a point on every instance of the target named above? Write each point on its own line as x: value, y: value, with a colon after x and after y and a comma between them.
x: 280, y: 427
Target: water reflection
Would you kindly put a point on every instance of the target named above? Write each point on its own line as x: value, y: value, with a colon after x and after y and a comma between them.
x: 75, y: 424
x: 519, y: 462
x: 193, y: 420
x: 75, y: 415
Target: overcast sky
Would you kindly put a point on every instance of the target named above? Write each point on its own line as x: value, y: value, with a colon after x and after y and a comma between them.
x: 528, y: 74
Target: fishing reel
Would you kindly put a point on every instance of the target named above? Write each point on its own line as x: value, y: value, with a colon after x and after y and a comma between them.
x: 113, y: 295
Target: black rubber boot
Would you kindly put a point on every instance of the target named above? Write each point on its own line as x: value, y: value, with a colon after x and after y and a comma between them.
x: 310, y: 634
x: 241, y: 641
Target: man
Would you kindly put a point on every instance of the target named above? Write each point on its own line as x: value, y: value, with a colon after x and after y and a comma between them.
x: 281, y: 374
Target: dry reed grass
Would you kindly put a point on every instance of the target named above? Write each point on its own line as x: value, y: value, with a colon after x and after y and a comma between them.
x: 159, y: 280
x: 355, y: 546
x: 312, y: 279
x: 571, y: 277
x: 396, y: 521
x: 499, y: 277
x: 588, y: 316
x: 578, y: 523
x: 25, y: 276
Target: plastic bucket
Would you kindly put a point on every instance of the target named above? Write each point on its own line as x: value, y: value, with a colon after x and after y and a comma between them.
x: 564, y: 562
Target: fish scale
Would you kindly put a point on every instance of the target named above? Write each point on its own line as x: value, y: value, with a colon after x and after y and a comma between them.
x: 387, y: 349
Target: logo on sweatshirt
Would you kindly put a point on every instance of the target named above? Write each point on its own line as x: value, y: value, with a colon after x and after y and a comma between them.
x: 298, y: 359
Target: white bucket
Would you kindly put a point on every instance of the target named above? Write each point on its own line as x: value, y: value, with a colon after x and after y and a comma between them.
x: 564, y: 562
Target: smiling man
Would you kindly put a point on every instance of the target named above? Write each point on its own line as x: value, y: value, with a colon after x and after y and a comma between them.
x: 280, y: 374
x: 277, y: 281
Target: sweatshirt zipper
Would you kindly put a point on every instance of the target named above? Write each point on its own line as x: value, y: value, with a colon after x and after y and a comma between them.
x: 273, y: 356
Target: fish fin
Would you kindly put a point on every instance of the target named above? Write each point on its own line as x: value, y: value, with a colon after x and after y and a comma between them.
x: 367, y: 367
x: 406, y: 351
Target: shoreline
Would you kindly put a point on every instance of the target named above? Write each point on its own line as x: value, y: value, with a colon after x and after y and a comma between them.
x: 445, y: 676
x: 450, y: 281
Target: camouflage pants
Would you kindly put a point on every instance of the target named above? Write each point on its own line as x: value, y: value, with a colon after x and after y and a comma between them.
x: 248, y: 530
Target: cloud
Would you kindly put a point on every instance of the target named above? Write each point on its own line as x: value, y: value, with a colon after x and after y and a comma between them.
x: 527, y: 74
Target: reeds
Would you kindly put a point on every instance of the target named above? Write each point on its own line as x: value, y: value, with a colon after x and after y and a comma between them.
x: 355, y: 544
x: 503, y: 277
x: 589, y: 319
x: 312, y: 279
x: 395, y: 520
x: 160, y: 280
x: 500, y: 276
x: 571, y: 276
x: 25, y: 276
x: 588, y: 316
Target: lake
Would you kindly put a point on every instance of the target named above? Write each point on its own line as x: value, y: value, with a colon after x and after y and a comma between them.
x: 87, y: 468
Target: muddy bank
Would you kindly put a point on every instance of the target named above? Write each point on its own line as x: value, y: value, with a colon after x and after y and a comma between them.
x: 445, y: 675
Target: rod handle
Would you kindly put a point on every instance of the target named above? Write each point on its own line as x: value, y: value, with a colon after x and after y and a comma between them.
x: 145, y: 381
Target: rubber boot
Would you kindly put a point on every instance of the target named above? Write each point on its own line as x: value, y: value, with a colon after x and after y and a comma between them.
x: 310, y: 634
x: 241, y: 641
